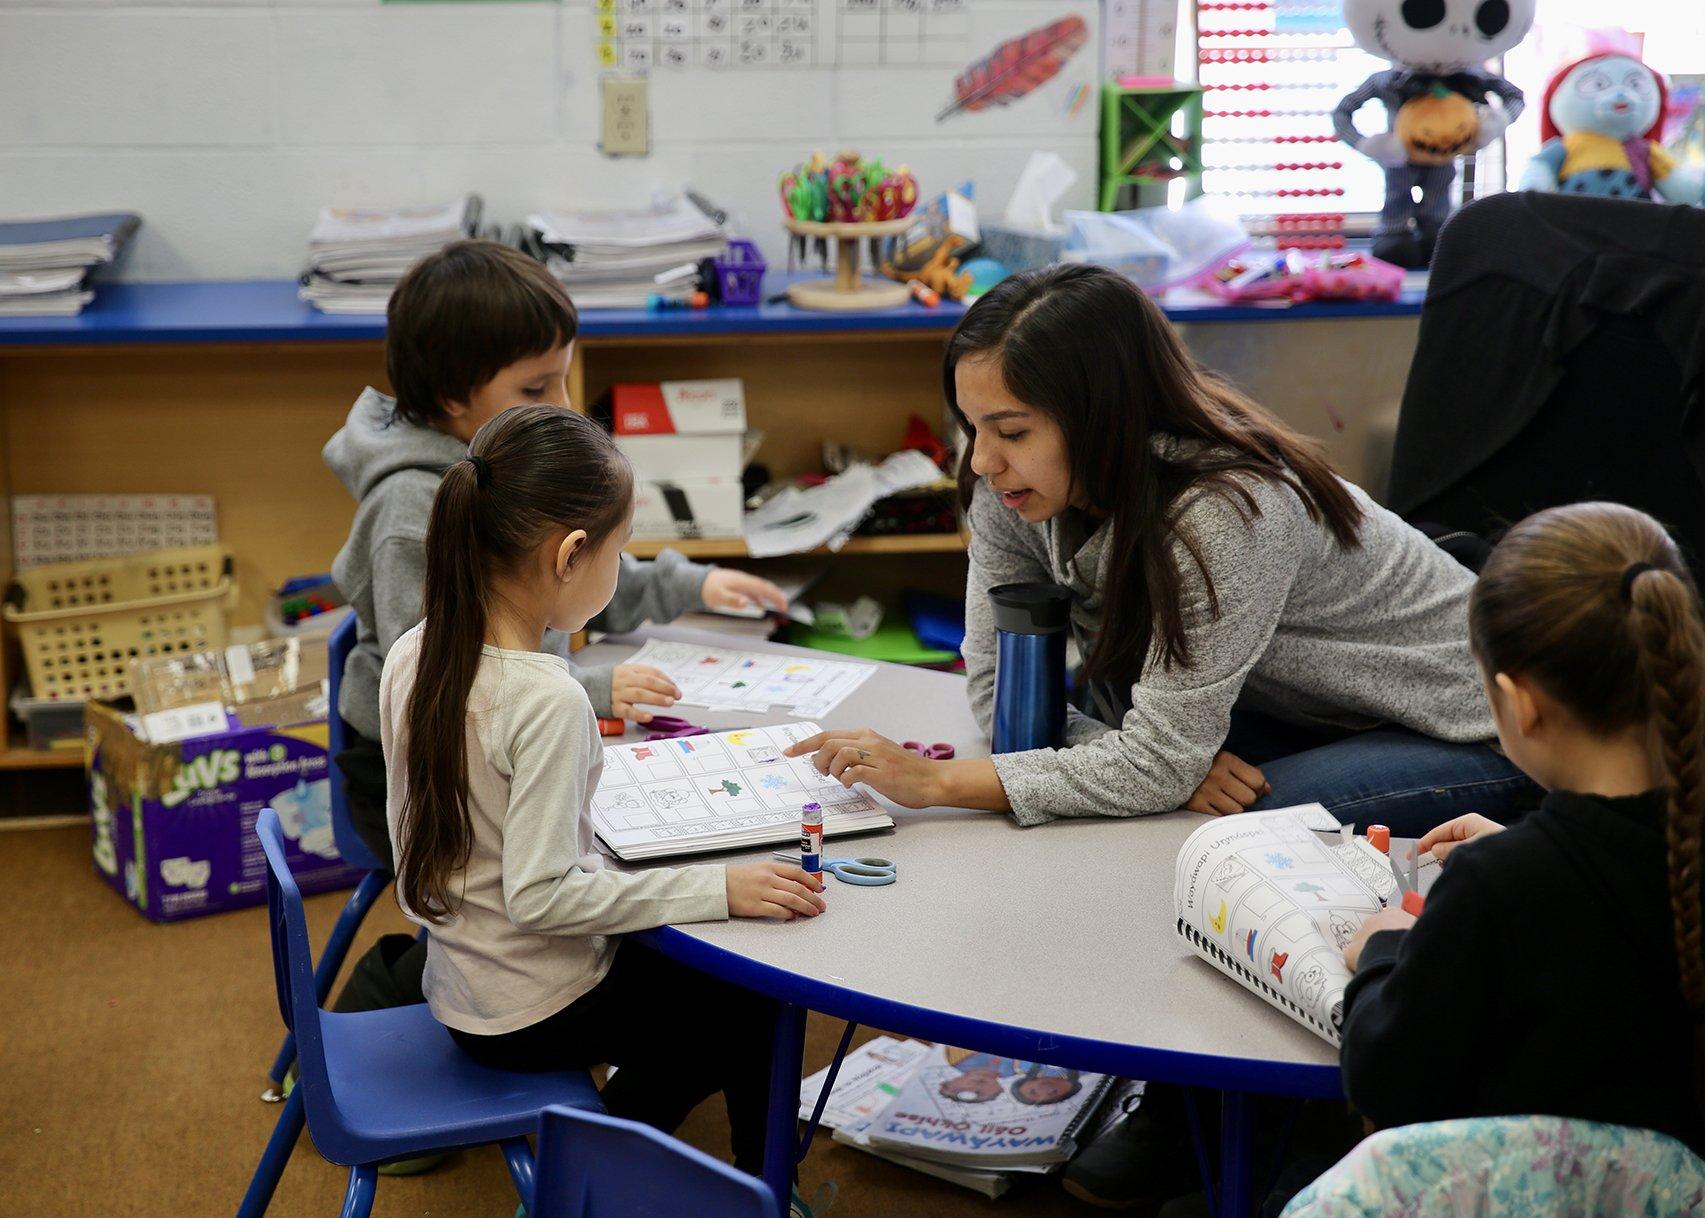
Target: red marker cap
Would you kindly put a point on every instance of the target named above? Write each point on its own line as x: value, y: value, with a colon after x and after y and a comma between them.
x: 1379, y: 837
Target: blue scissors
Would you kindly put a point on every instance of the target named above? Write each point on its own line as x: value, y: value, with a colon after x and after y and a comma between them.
x: 866, y: 872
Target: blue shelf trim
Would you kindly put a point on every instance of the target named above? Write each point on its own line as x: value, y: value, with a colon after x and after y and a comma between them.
x: 267, y: 311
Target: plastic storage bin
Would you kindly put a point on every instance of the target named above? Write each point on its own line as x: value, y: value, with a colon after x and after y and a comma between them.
x: 81, y: 623
x: 740, y: 274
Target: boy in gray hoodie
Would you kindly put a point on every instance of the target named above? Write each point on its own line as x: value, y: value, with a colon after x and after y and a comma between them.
x: 471, y: 331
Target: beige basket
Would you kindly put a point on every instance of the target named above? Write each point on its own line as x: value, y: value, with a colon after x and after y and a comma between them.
x: 81, y: 623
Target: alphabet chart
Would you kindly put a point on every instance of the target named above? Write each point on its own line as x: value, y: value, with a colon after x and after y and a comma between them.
x: 756, y: 681
x: 720, y: 792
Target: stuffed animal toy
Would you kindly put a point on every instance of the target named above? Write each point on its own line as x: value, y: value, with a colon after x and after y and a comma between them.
x: 1600, y: 126
x: 1439, y: 98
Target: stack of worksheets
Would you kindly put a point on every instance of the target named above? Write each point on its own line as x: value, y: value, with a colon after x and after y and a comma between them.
x: 620, y: 259
x: 356, y: 256
x: 45, y: 264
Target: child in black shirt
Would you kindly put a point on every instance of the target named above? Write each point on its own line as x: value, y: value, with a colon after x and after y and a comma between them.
x: 1556, y: 968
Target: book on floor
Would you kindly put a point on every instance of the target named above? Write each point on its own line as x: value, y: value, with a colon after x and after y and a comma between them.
x: 989, y: 1112
x: 1271, y: 898
x: 721, y: 791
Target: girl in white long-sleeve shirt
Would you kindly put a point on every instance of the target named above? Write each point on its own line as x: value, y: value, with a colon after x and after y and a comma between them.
x: 492, y: 754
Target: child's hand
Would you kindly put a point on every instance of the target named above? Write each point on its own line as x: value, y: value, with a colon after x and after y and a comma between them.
x: 1448, y: 836
x: 1391, y: 918
x: 1231, y: 786
x: 772, y: 890
x: 631, y: 683
x: 726, y: 588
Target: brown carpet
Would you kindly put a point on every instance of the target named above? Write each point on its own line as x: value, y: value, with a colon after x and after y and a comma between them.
x: 132, y: 1057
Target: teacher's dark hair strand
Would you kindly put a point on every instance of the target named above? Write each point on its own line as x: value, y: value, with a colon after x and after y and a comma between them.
x: 1087, y: 347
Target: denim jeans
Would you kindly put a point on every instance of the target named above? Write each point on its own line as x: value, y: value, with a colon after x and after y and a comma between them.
x: 1386, y: 776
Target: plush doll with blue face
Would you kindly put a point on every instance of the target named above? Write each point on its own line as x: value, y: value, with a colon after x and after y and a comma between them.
x: 1439, y: 100
x: 1600, y: 127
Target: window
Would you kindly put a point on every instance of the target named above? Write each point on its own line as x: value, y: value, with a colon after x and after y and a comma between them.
x: 1272, y: 72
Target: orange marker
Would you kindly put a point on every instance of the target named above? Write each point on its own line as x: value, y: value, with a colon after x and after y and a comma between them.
x: 612, y: 727
x: 924, y: 294
x: 1379, y: 837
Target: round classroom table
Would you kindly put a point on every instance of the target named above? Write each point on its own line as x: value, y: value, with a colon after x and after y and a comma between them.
x: 1055, y: 943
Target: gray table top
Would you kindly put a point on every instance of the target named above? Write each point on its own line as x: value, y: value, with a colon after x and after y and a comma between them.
x: 1058, y: 939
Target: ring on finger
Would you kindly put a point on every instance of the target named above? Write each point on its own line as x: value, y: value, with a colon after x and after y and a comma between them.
x: 864, y: 754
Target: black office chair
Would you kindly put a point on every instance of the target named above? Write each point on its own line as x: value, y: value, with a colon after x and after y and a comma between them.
x: 1561, y: 358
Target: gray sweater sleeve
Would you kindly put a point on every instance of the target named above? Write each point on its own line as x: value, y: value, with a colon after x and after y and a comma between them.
x: 1179, y: 716
x: 399, y: 578
x: 656, y: 591
x: 548, y: 887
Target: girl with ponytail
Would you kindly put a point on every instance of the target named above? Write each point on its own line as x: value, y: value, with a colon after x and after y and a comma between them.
x: 1557, y: 965
x: 492, y: 756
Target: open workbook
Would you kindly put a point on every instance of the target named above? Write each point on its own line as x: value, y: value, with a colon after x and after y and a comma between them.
x: 724, y: 791
x: 1269, y: 900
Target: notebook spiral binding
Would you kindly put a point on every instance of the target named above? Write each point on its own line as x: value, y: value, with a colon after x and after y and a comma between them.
x: 1231, y: 965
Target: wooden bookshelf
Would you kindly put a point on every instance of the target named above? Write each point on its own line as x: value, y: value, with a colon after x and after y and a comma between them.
x: 15, y: 756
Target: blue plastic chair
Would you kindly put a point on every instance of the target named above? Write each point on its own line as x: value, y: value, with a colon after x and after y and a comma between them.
x: 596, y: 1166
x: 375, y: 1086
x: 349, y: 844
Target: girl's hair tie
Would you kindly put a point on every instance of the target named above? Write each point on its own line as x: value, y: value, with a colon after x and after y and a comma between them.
x: 1634, y: 572
x: 482, y: 471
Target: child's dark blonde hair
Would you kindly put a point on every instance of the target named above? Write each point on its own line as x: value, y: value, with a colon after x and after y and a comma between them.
x: 1594, y: 603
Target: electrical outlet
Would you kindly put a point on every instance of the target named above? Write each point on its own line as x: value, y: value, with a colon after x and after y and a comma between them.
x: 627, y: 117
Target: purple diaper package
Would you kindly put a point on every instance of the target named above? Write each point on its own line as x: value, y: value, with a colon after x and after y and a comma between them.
x: 174, y: 823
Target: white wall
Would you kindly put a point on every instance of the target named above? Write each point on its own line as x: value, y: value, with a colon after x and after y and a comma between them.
x: 228, y: 123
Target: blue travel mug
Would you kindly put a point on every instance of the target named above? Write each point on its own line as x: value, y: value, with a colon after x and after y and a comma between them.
x: 1030, y: 665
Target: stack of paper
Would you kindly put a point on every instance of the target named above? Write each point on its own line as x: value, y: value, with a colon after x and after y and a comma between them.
x: 356, y: 256
x: 727, y: 791
x: 972, y: 1119
x: 619, y: 259
x: 45, y: 264
x: 754, y: 681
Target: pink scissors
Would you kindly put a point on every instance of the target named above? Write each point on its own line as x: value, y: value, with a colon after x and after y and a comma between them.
x: 930, y: 752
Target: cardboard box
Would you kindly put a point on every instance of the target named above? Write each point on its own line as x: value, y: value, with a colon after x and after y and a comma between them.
x: 681, y: 430
x: 683, y: 458
x: 686, y: 508
x: 174, y: 823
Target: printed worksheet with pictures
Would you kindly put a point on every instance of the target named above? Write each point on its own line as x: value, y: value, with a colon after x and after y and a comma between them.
x: 725, y: 679
x: 695, y: 794
x: 1270, y: 900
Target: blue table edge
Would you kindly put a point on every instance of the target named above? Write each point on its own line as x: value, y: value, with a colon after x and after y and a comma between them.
x: 268, y: 311
x: 1252, y: 1075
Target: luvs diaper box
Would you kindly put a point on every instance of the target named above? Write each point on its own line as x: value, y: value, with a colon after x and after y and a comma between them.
x: 174, y: 822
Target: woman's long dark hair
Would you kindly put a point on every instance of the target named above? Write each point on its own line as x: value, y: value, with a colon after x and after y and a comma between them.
x: 1085, y: 346
x: 530, y: 471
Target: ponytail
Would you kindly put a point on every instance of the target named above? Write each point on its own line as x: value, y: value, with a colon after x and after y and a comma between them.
x: 530, y: 471
x: 1579, y: 599
x: 1671, y: 644
x: 435, y: 827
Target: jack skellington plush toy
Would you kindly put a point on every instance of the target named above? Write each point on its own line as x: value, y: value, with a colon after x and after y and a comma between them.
x: 1438, y: 97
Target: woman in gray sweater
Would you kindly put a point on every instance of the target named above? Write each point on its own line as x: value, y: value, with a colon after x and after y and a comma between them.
x: 1255, y: 631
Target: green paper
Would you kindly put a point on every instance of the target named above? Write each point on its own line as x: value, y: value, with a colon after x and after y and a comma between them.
x: 894, y: 642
